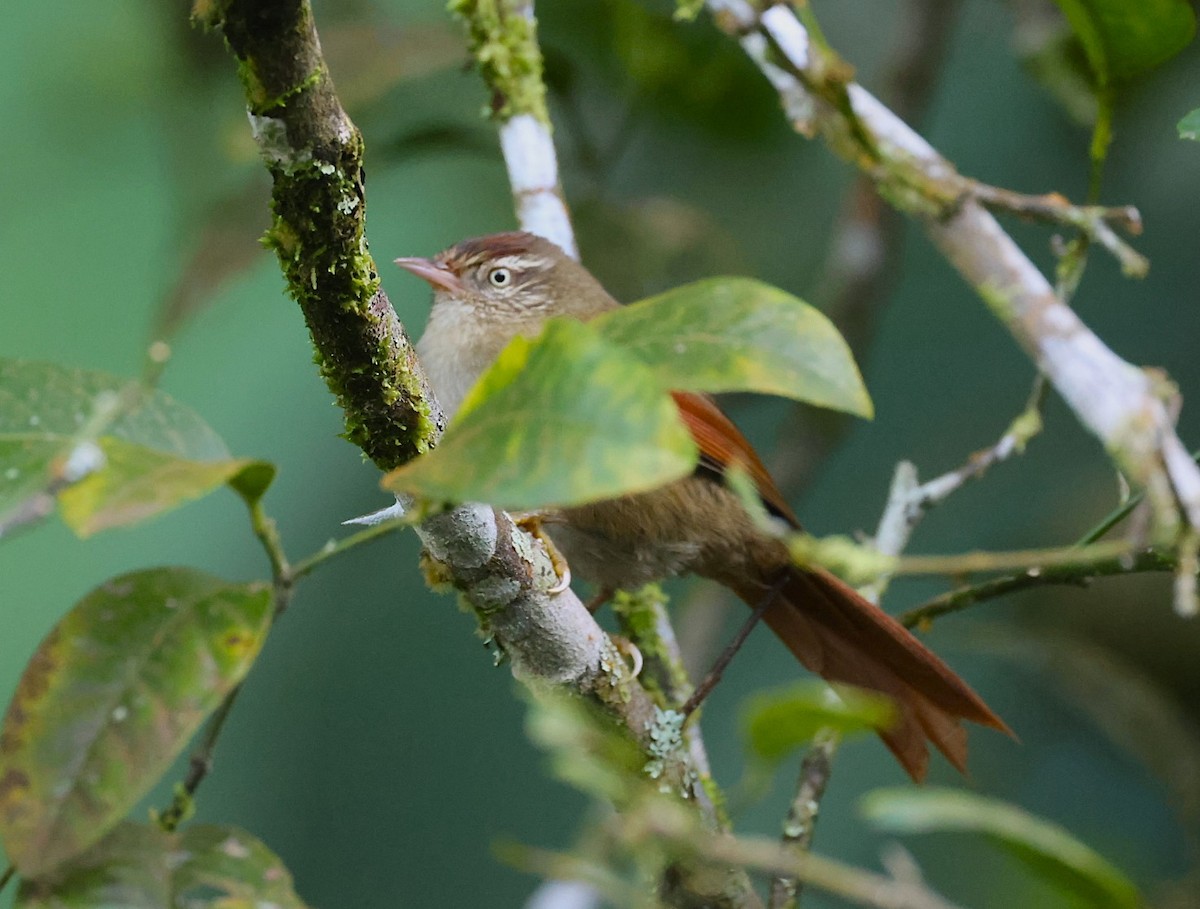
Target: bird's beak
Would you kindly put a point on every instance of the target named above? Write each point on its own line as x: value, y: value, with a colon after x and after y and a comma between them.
x: 435, y: 273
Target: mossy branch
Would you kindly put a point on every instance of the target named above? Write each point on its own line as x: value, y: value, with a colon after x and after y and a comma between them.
x: 503, y: 41
x: 314, y: 154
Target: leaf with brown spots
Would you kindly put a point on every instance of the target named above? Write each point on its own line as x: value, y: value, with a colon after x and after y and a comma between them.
x: 111, y: 697
x: 203, y: 866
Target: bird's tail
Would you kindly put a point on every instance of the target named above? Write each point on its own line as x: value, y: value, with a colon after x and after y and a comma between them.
x: 845, y: 638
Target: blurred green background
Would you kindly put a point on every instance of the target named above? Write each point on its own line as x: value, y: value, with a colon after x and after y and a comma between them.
x: 376, y: 748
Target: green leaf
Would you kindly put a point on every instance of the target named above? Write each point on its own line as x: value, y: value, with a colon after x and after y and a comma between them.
x: 113, y: 452
x: 141, y: 867
x: 561, y: 420
x: 1189, y: 126
x: 738, y: 334
x: 1124, y: 39
x: 780, y: 721
x: 1045, y: 847
x: 111, y: 697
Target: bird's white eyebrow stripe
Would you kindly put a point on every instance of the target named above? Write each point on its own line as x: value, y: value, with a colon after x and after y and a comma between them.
x: 520, y: 262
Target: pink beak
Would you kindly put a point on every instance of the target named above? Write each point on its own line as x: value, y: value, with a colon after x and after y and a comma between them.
x: 435, y: 273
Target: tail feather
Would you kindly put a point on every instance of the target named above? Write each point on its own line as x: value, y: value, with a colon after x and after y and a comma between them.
x: 843, y: 637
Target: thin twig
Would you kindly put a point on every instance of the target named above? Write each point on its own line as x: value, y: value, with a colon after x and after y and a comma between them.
x: 336, y: 548
x: 267, y: 533
x: 1093, y: 221
x: 909, y: 501
x: 800, y: 825
x: 199, y: 766
x: 846, y: 881
x: 1078, y: 573
x: 6, y: 876
x: 503, y: 35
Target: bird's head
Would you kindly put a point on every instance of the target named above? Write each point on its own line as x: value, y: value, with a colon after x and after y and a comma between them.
x: 514, y: 278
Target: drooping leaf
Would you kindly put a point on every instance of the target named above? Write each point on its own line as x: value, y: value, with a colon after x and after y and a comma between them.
x: 1189, y: 126
x: 1045, y: 847
x: 1123, y: 39
x: 141, y: 867
x: 738, y: 334
x: 563, y: 419
x: 111, y: 697
x: 146, y: 453
x: 780, y: 721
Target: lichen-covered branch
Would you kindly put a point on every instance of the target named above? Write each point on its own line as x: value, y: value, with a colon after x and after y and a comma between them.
x: 503, y: 38
x: 1120, y: 404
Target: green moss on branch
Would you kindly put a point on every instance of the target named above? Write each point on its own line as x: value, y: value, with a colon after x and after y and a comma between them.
x: 314, y: 154
x: 503, y: 39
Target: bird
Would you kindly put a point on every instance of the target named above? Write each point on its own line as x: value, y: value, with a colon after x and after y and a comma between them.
x: 489, y: 290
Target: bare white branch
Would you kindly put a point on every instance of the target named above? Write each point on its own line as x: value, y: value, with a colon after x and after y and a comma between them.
x: 533, y: 172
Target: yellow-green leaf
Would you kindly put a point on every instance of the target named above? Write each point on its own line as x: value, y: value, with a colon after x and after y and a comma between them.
x: 111, y: 697
x: 1189, y: 126
x: 1123, y: 39
x: 560, y: 420
x: 1045, y: 847
x: 739, y: 334
x: 142, y: 867
x: 112, y: 452
x: 779, y: 721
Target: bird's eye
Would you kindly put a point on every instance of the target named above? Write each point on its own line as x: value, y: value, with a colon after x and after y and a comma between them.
x: 500, y: 277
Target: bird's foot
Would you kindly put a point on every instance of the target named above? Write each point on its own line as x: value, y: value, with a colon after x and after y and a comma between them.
x: 531, y: 523
x: 630, y: 651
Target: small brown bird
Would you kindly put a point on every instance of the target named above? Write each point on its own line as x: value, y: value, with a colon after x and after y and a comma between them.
x: 488, y: 290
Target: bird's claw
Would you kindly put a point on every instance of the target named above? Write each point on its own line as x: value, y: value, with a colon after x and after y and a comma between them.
x: 630, y: 651
x: 531, y: 523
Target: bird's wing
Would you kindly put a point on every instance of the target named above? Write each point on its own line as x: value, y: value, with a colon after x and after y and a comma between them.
x: 722, y: 445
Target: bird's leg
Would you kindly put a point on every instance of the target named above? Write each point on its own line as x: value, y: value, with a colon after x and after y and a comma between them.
x: 599, y: 598
x: 709, y: 682
x: 531, y: 523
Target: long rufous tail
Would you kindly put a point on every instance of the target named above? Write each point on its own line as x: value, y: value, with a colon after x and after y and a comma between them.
x: 843, y: 637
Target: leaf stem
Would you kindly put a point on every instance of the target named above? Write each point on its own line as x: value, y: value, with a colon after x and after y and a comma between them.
x: 332, y: 548
x: 268, y: 534
x: 6, y: 876
x: 199, y: 766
